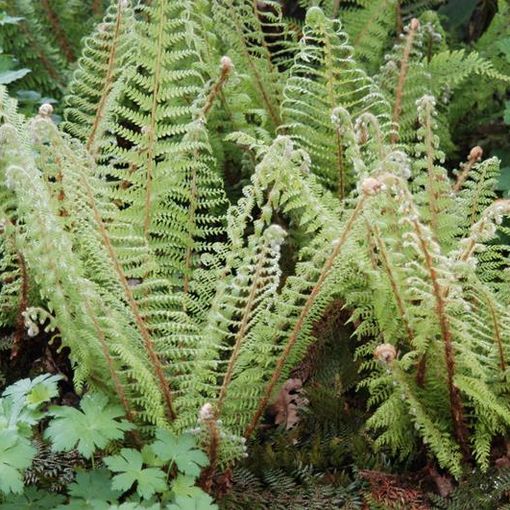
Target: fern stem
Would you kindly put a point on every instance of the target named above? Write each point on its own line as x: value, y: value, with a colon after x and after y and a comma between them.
x: 273, y: 113
x: 133, y: 305
x: 421, y: 366
x: 339, y: 149
x: 108, y: 81
x: 60, y: 34
x: 58, y: 192
x: 432, y: 193
x: 340, y: 164
x: 188, y: 256
x: 456, y: 406
x: 404, y: 66
x: 109, y: 361
x: 260, y: 30
x: 206, y: 478
x: 131, y: 301
x: 476, y: 198
x: 371, y: 246
x: 336, y: 8
x: 97, y: 7
x: 497, y: 336
x: 293, y: 337
x: 226, y: 67
x: 474, y: 156
x: 398, y: 10
x: 399, y: 300
x: 496, y: 329
x: 19, y: 331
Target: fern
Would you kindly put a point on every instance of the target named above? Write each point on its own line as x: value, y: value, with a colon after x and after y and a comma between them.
x: 325, y: 76
x: 192, y: 310
x: 369, y: 29
x: 45, y: 62
x: 245, y: 28
x: 106, y: 52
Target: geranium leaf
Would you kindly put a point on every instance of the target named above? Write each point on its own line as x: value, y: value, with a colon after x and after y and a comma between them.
x: 88, y: 429
x: 181, y: 451
x: 16, y: 454
x: 94, y: 485
x: 129, y: 468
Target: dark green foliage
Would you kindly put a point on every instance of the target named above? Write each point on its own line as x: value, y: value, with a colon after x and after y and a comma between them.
x: 480, y: 491
x: 300, y: 490
x: 46, y: 40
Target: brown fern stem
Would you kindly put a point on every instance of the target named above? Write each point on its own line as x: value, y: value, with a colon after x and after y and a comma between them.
x: 60, y: 193
x: 336, y: 7
x: 421, y: 370
x: 294, y: 335
x: 404, y: 67
x: 260, y: 30
x: 431, y: 178
x: 475, y: 155
x: 341, y: 165
x: 60, y: 35
x: 206, y: 478
x: 188, y: 256
x: 97, y: 7
x: 131, y: 301
x: 371, y: 247
x: 399, y: 300
x: 497, y: 333
x: 265, y: 95
x: 456, y: 406
x: 398, y: 11
x: 383, y: 255
x: 110, y: 363
x: 108, y: 82
x: 226, y: 67
x: 133, y: 305
x: 332, y: 99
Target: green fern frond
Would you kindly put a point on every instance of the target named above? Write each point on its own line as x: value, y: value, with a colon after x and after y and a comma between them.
x: 39, y: 55
x: 255, y: 39
x: 324, y: 77
x: 369, y: 29
x: 106, y: 53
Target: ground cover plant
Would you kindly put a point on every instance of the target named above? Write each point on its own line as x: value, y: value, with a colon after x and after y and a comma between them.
x: 254, y: 254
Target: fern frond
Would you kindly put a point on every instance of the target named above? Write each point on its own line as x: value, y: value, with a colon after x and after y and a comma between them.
x: 244, y: 28
x: 369, y: 29
x: 105, y: 56
x: 324, y: 77
x: 39, y: 55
